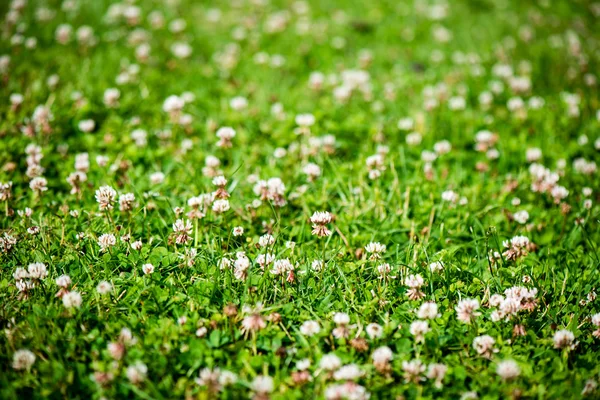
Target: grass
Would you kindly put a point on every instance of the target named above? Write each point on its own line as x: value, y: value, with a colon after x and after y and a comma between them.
x: 442, y: 132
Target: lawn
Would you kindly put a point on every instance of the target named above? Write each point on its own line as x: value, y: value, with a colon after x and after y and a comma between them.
x: 275, y: 199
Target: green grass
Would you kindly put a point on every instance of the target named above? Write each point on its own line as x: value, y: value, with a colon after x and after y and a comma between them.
x: 189, y: 313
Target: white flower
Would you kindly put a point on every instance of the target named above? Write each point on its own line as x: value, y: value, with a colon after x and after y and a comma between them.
x: 414, y: 281
x: 347, y: 372
x: 375, y: 249
x: 303, y: 364
x: 450, y: 196
x: 220, y: 206
x: 436, y: 266
x: 484, y: 345
x: 406, y: 124
x: 227, y: 378
x: 442, y: 147
x: 37, y: 271
x: 281, y: 267
x: 374, y: 330
x: 111, y: 97
x: 414, y: 139
x: 219, y: 181
x: 181, y: 49
x: 465, y: 310
x: 413, y: 370
x: 330, y: 362
x: 382, y: 355
x: 521, y: 216
x: 106, y: 196
x: 437, y: 372
x: 428, y: 310
x: 157, y: 178
x: 201, y: 332
x: 533, y: 154
x: 23, y: 359
x: 266, y: 240
x: 140, y: 137
x: 563, y: 339
x: 136, y: 373
x: 38, y: 184
x: 384, y: 269
x: 280, y: 152
x: 87, y: 125
x: 225, y: 135
x: 312, y: 170
x: 508, y: 369
x: 173, y: 104
x: 63, y: 281
x: 305, y: 120
x: 419, y: 329
x: 126, y: 201
x: 310, y: 328
x: 319, y: 220
x: 238, y: 103
x: 106, y: 240
x: 341, y: 318
x: 263, y: 384
x: 72, y: 300
x: 148, y: 268
x: 104, y: 287
x: 321, y: 217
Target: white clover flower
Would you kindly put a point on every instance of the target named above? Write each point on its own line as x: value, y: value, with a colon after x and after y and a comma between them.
x: 406, y: 124
x: 414, y: 139
x: 450, y: 196
x: 305, y: 120
x: 382, y: 355
x: 508, y: 369
x: 375, y: 249
x: 72, y: 300
x: 238, y: 103
x: 106, y: 240
x: 484, y: 345
x: 23, y: 359
x: 374, y: 331
x: 428, y: 310
x: 330, y: 362
x: 38, y: 184
x: 419, y: 329
x: 348, y: 372
x: 521, y: 216
x: 563, y: 339
x: 263, y: 384
x: 436, y: 266
x: 310, y: 328
x: 181, y: 50
x: 64, y: 281
x: 266, y: 240
x: 136, y: 372
x: 148, y: 268
x: 106, y: 196
x: 220, y: 206
x: 87, y: 125
x: 37, y: 271
x: 466, y: 310
x: 341, y: 318
x: 104, y: 287
x: 303, y: 364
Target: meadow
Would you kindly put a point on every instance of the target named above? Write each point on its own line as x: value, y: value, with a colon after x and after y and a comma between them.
x: 274, y: 199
